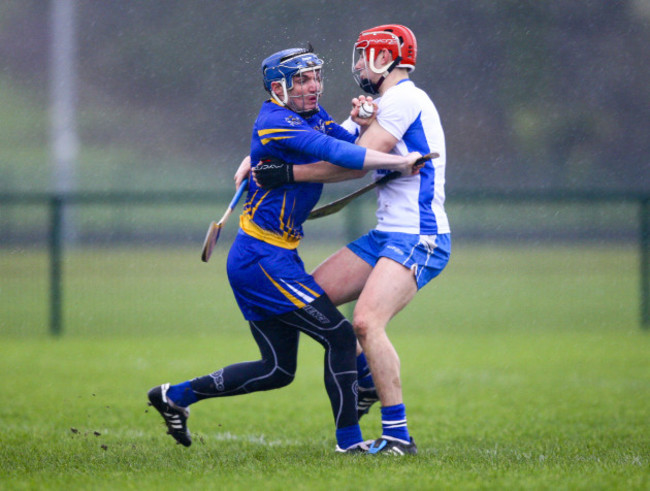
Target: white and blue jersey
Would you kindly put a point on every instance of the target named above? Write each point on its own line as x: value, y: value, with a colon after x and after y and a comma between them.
x: 413, y: 204
x: 412, y: 226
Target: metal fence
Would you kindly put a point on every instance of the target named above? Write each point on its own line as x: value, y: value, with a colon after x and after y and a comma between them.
x: 162, y: 218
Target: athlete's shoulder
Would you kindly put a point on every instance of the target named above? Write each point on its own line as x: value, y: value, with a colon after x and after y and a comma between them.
x: 403, y: 91
x: 323, y: 114
x: 405, y: 98
x: 324, y: 123
x: 320, y: 119
x: 273, y: 115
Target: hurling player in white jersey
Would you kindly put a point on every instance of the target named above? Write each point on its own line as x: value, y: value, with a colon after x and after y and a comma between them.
x: 411, y: 244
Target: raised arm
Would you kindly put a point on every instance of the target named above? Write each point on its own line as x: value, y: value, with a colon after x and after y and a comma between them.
x: 272, y: 173
x: 325, y: 172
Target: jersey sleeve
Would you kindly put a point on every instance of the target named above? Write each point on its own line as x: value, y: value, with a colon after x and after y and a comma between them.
x: 294, y: 134
x: 331, y: 127
x: 340, y: 133
x: 324, y: 147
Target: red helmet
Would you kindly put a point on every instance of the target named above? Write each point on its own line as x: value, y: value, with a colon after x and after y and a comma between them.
x: 397, y: 39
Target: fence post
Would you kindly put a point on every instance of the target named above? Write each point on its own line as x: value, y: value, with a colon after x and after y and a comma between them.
x: 55, y: 243
x: 645, y: 262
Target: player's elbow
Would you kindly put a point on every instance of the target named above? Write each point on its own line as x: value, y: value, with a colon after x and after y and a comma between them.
x: 357, y: 174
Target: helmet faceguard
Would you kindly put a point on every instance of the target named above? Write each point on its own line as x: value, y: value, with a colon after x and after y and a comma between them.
x: 397, y: 39
x: 284, y: 66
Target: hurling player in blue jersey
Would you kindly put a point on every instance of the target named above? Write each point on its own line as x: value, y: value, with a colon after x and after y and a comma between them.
x: 411, y: 243
x: 274, y: 292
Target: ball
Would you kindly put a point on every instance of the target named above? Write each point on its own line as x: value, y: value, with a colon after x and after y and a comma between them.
x: 366, y: 110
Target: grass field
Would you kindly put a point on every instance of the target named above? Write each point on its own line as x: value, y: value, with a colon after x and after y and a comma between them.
x: 523, y: 368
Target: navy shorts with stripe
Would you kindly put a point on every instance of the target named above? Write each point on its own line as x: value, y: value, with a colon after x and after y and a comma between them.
x: 268, y: 280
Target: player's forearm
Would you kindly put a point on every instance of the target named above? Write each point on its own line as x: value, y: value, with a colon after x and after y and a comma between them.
x: 324, y: 172
x: 379, y: 160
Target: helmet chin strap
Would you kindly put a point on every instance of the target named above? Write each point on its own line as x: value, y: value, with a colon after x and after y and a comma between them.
x: 285, y: 102
x: 304, y: 114
x: 285, y: 99
x: 308, y: 114
x: 373, y: 88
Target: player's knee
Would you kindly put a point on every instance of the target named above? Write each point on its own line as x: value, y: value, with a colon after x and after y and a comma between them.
x: 363, y: 326
x: 366, y: 326
x: 346, y: 339
x: 280, y: 379
x: 360, y: 330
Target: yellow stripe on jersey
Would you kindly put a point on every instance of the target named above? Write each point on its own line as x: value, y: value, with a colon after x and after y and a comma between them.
x: 275, y: 130
x: 250, y: 210
x: 297, y: 302
x: 266, y: 140
x: 280, y: 132
x: 254, y: 230
x: 288, y: 225
x: 281, y: 217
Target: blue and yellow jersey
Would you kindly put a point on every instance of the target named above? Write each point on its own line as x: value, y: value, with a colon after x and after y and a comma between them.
x: 276, y: 216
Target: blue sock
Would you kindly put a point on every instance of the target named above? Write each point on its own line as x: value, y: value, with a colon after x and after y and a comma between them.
x: 348, y: 436
x: 367, y: 382
x: 363, y: 373
x: 182, y: 394
x: 362, y: 366
x: 393, y: 422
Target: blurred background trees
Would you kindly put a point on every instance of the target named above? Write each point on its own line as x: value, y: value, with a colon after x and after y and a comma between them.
x: 532, y: 94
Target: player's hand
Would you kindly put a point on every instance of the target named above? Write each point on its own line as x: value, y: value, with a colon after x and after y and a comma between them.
x: 271, y: 173
x: 243, y: 171
x: 360, y: 115
x: 411, y: 166
x: 417, y: 161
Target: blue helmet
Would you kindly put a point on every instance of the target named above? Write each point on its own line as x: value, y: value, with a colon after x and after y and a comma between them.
x: 285, y: 64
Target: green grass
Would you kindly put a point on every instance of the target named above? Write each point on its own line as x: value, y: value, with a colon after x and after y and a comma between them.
x: 523, y: 368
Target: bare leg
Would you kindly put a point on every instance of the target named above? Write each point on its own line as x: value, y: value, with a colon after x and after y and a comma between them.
x: 342, y: 276
x: 389, y: 288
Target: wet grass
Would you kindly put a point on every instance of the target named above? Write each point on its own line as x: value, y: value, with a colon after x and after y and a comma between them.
x: 523, y: 368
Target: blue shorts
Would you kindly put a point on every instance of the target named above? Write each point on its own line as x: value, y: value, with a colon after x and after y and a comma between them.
x: 268, y: 280
x: 425, y: 255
